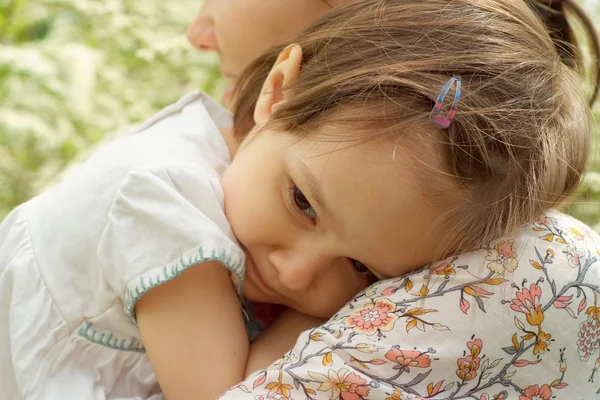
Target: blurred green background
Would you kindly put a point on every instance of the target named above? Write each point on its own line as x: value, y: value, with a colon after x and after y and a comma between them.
x: 77, y: 72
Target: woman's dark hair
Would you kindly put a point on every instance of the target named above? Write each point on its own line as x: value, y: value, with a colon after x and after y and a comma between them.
x: 554, y: 14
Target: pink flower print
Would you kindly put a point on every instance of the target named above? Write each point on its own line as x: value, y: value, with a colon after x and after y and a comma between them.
x: 343, y: 385
x: 500, y: 396
x: 574, y: 256
x: 503, y: 257
x: 528, y: 303
x: 475, y: 346
x: 535, y: 392
x: 408, y: 358
x: 467, y: 367
x: 444, y: 269
x: 588, y: 339
x: 356, y: 388
x: 543, y: 222
x: 562, y: 301
x: 373, y: 317
x: 277, y: 397
x: 270, y: 397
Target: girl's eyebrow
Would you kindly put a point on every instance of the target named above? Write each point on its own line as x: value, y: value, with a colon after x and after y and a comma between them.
x: 314, y: 186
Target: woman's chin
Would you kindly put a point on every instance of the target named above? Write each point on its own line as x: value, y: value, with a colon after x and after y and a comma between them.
x: 227, y: 96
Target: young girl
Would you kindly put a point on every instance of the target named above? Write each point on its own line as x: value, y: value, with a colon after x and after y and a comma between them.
x: 432, y: 124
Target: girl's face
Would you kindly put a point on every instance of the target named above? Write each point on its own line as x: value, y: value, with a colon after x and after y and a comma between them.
x: 318, y: 219
x: 241, y: 30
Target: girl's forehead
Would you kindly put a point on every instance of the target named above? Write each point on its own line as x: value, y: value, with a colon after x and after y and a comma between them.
x: 352, y: 173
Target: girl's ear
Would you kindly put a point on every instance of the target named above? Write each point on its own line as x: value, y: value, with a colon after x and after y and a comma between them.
x: 284, y: 73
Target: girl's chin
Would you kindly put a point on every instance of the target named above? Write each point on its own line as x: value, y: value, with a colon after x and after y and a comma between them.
x: 251, y: 293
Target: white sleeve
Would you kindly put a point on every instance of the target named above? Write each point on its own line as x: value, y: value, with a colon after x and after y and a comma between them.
x: 162, y: 222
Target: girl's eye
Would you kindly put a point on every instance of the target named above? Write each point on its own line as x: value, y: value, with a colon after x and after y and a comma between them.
x: 360, y: 267
x: 302, y: 203
x: 364, y: 270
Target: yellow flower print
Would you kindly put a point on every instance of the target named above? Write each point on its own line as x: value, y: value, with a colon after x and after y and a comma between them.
x: 542, y: 343
x: 397, y: 395
x: 343, y: 385
x: 576, y: 233
x: 468, y: 366
x: 444, y: 269
x: 278, y: 388
x: 503, y: 257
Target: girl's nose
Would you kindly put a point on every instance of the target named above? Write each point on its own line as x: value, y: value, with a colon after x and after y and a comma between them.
x: 298, y: 270
x: 201, y: 33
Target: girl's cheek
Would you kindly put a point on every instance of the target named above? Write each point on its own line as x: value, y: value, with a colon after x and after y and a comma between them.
x: 250, y: 214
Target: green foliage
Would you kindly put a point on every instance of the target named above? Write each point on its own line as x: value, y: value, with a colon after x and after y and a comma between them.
x: 586, y: 205
x: 77, y: 72
x: 73, y: 71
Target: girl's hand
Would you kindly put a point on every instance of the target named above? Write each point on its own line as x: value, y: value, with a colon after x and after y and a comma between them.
x: 279, y: 338
x: 194, y: 333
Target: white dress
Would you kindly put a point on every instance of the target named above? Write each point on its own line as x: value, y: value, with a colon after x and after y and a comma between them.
x: 74, y: 260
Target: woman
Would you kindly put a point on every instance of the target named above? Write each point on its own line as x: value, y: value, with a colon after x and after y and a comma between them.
x: 240, y: 31
x: 380, y: 346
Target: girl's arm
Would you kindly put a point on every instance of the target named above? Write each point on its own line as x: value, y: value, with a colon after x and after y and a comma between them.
x: 194, y: 333
x: 279, y: 338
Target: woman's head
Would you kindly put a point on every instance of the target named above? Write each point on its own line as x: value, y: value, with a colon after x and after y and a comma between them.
x: 241, y: 30
x: 554, y: 15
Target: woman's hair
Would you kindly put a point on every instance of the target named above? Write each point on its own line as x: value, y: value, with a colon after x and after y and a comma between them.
x: 554, y: 15
x: 519, y: 142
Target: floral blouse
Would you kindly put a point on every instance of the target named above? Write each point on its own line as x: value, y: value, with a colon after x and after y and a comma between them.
x: 518, y: 319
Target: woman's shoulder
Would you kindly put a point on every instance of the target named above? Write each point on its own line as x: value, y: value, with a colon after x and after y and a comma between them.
x: 503, y: 320
x: 517, y: 319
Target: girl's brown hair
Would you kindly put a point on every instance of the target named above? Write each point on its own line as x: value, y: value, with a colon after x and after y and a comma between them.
x: 519, y: 142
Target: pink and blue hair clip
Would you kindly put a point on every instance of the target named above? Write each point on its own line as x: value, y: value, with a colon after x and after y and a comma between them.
x: 437, y: 116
